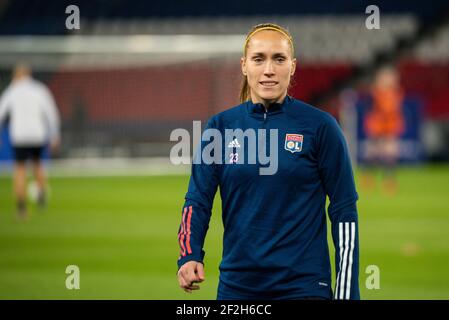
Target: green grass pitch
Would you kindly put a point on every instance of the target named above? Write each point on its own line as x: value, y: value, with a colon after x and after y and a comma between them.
x: 122, y: 234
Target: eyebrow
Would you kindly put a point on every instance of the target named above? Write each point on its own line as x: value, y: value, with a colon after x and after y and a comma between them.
x: 277, y: 54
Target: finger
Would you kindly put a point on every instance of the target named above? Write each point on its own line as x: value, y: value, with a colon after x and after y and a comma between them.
x: 187, y: 289
x: 184, y: 285
x: 191, y: 276
x: 187, y: 284
x: 194, y: 287
x: 200, y: 272
x: 182, y: 281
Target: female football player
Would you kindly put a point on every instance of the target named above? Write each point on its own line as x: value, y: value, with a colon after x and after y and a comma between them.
x: 275, y: 236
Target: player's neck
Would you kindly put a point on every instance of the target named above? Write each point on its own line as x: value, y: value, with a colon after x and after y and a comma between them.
x: 269, y: 102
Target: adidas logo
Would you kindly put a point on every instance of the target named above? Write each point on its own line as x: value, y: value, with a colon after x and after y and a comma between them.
x: 234, y: 144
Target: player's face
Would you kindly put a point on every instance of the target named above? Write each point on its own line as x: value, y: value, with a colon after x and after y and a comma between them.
x: 268, y: 66
x: 387, y: 79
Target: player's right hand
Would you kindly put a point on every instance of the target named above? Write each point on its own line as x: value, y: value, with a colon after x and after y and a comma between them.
x: 190, y: 273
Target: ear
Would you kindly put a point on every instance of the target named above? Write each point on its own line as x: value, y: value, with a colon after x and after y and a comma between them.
x: 243, y: 65
x: 293, y: 67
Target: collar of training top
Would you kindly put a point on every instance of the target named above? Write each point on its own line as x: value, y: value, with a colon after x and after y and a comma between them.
x: 257, y: 109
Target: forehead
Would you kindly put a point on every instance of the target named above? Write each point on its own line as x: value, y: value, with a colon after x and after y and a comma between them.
x: 268, y: 41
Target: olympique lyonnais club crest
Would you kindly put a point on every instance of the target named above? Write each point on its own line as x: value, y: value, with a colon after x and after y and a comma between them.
x: 293, y: 142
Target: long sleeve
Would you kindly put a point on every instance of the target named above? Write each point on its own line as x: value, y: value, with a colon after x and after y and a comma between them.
x: 4, y: 107
x: 337, y: 176
x: 52, y: 115
x: 197, y: 209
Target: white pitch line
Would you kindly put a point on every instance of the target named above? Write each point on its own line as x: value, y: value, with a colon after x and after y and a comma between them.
x: 107, y: 167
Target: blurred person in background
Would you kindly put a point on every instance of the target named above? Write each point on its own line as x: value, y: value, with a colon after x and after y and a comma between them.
x: 33, y: 123
x: 384, y: 125
x: 275, y: 235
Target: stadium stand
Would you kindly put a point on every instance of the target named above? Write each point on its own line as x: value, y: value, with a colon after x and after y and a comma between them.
x: 120, y: 98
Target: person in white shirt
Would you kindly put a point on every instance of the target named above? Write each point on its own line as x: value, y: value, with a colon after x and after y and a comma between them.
x: 34, y: 122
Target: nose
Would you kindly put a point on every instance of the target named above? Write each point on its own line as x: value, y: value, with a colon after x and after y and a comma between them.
x: 268, y: 70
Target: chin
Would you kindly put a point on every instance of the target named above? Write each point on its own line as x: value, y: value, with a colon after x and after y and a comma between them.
x: 270, y: 97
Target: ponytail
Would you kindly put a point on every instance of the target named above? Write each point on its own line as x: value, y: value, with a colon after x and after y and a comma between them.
x: 244, y: 90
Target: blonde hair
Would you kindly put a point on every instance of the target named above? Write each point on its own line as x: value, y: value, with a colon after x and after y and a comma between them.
x: 245, y: 89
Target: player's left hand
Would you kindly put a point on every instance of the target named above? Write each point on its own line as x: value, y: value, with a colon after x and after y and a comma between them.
x: 55, y: 145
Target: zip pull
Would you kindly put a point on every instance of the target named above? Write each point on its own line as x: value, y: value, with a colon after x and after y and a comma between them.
x: 265, y: 116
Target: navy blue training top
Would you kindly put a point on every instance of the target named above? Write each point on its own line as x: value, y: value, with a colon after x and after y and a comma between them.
x: 275, y: 233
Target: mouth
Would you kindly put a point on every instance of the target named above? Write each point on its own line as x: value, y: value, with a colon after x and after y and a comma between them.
x: 268, y: 83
